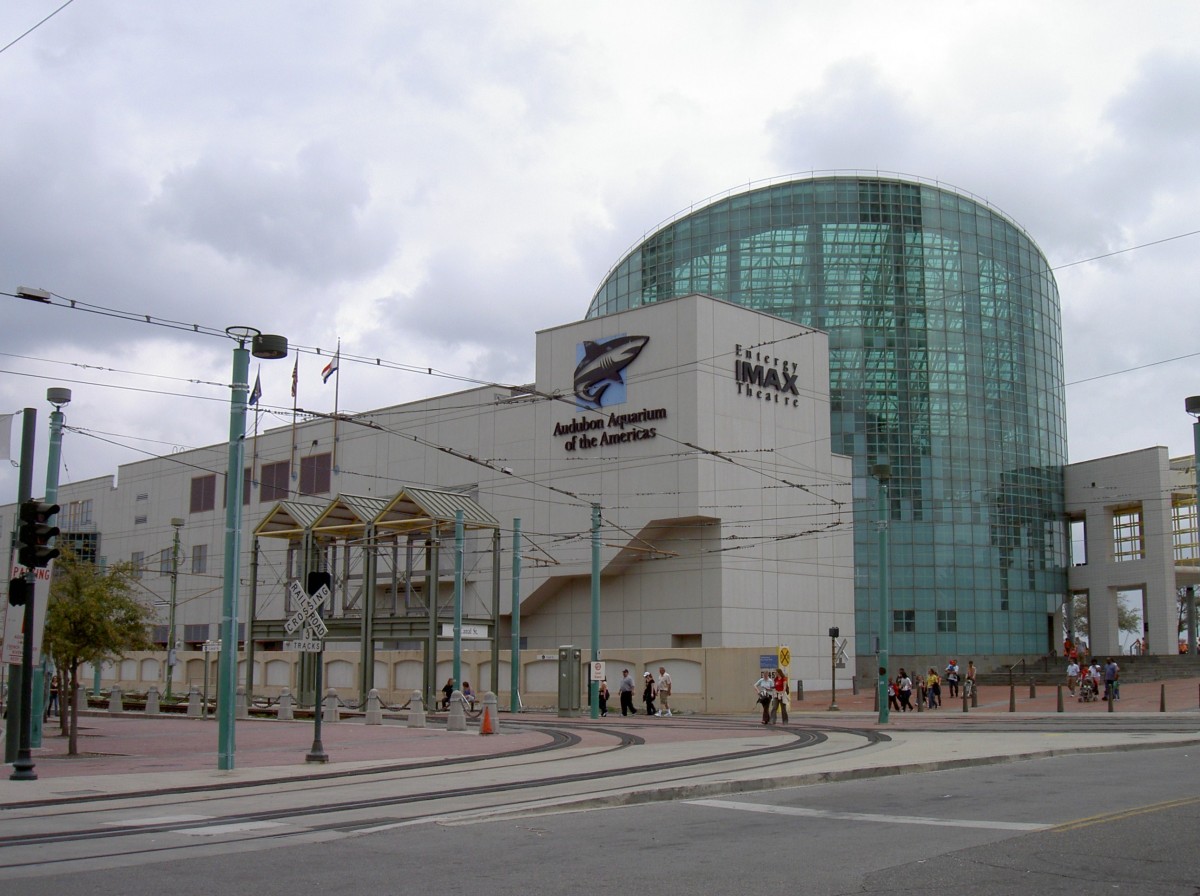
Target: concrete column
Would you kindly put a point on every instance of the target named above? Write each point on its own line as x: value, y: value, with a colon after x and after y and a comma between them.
x: 456, y: 718
x: 116, y: 700
x: 287, y: 709
x: 416, y: 711
x: 152, y: 701
x: 374, y: 711
x: 329, y: 708
x: 195, y: 709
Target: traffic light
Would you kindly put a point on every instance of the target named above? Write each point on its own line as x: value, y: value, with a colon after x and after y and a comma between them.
x: 34, y: 551
x: 317, y: 580
x: 18, y: 591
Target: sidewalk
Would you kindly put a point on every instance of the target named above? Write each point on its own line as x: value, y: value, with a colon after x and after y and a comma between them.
x: 133, y: 752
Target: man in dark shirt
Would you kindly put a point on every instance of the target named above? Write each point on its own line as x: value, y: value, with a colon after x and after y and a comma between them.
x: 626, y: 692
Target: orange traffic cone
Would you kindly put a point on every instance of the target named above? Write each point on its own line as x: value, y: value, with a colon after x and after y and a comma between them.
x: 487, y: 724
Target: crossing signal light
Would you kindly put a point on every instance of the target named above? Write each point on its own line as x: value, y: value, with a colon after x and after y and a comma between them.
x: 317, y: 580
x: 36, y: 533
x: 18, y: 591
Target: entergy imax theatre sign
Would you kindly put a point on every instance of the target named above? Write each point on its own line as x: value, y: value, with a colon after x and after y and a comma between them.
x: 600, y: 383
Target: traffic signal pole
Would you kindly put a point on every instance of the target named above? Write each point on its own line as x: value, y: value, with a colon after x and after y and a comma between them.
x: 20, y: 678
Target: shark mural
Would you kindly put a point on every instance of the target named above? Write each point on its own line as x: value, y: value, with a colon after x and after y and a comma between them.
x: 600, y: 373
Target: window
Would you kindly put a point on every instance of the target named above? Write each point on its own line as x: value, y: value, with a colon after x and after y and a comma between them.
x: 204, y: 493
x: 1184, y: 531
x: 200, y: 558
x: 140, y: 519
x: 947, y: 620
x: 274, y: 486
x: 1078, y: 542
x: 1127, y: 535
x: 138, y: 559
x: 315, y: 474
x: 164, y: 562
x: 904, y: 620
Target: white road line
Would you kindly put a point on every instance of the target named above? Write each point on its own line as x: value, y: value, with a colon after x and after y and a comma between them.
x: 220, y: 829
x: 862, y: 816
x: 161, y: 819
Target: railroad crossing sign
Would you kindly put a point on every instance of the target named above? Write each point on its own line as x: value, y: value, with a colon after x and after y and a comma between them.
x: 785, y: 657
x: 306, y: 616
x: 839, y: 653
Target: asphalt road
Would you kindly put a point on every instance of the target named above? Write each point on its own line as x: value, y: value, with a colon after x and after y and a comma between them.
x: 1082, y: 825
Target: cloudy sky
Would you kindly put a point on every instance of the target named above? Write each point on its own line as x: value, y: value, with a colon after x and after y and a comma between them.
x: 431, y: 183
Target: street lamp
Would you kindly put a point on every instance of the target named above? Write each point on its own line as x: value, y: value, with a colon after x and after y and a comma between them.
x: 268, y: 348
x: 172, y: 657
x: 882, y: 471
x: 1192, y: 404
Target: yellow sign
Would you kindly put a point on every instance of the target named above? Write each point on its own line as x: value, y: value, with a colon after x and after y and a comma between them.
x: 785, y: 657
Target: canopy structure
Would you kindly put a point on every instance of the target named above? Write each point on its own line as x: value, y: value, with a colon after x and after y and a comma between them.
x: 413, y: 522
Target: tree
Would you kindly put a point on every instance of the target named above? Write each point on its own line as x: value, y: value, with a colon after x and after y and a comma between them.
x: 92, y: 616
x: 1128, y: 619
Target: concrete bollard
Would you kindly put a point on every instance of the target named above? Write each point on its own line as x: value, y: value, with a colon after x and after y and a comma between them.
x: 974, y: 696
x: 329, y: 707
x: 799, y: 695
x: 287, y: 706
x: 489, y: 722
x: 116, y: 700
x: 1162, y: 698
x: 80, y: 699
x: 152, y: 701
x: 854, y: 685
x: 416, y: 711
x: 195, y: 709
x: 1060, y: 698
x: 964, y: 698
x: 240, y: 709
x: 456, y: 718
x: 374, y: 714
x: 1110, y: 699
x: 1012, y: 697
x: 1032, y: 689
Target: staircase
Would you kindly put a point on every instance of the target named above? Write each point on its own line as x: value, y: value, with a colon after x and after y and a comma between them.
x: 1049, y: 671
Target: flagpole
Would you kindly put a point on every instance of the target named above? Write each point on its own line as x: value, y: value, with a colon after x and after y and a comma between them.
x: 292, y: 453
x: 337, y: 384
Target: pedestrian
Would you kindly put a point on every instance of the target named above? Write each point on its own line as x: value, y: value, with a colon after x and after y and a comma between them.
x: 625, y: 692
x: 933, y: 688
x: 1097, y: 676
x: 468, y: 694
x: 1111, y: 670
x: 952, y: 677
x: 52, y: 705
x: 904, y: 688
x: 447, y: 692
x: 1072, y: 676
x: 780, y: 696
x: 971, y: 678
x: 664, y: 691
x: 763, y: 689
x: 893, y: 699
x: 602, y: 696
x: 648, y: 694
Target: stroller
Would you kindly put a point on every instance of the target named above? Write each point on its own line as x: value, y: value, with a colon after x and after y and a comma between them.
x: 1087, y: 690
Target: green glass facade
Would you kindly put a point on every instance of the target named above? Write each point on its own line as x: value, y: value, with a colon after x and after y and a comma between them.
x: 945, y: 357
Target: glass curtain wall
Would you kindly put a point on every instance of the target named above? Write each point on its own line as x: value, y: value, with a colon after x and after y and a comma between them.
x: 946, y: 357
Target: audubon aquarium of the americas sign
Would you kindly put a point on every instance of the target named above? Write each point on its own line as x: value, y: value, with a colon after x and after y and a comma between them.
x: 761, y: 376
x: 599, y: 383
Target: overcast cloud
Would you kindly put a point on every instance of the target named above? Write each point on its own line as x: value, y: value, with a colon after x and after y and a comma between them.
x: 431, y: 183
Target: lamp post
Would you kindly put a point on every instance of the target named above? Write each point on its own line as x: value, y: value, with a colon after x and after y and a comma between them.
x: 266, y: 347
x: 1192, y: 404
x: 172, y: 658
x: 59, y: 398
x: 882, y: 471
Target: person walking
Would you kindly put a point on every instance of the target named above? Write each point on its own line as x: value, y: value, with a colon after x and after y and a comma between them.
x: 893, y: 699
x: 933, y: 688
x: 780, y: 696
x: 952, y: 677
x: 764, y: 688
x: 904, y: 688
x: 1111, y: 671
x: 625, y: 692
x: 52, y: 704
x: 664, y: 691
x: 648, y: 694
x: 602, y: 696
x: 1072, y: 676
x: 971, y: 692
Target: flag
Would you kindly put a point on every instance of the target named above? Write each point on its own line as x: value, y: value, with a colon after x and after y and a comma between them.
x: 331, y: 367
x: 295, y: 374
x: 256, y: 392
